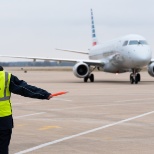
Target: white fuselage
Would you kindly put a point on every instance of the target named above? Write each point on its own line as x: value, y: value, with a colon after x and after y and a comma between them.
x: 122, y: 54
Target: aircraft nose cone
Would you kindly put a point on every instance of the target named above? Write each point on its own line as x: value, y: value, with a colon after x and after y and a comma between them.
x: 142, y: 57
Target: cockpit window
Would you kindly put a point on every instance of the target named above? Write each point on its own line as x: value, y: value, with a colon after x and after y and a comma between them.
x: 133, y: 42
x: 125, y: 43
x: 136, y: 42
x: 143, y: 42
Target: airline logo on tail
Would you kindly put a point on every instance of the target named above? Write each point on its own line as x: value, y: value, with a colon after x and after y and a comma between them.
x: 94, y: 40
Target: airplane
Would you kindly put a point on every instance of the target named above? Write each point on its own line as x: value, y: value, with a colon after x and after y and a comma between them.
x: 130, y: 53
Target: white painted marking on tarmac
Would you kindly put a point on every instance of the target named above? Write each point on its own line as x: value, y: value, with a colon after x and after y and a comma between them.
x: 27, y: 102
x: 18, y: 117
x: 135, y: 100
x: 83, y: 133
x: 59, y: 99
x: 56, y: 99
x: 80, y: 107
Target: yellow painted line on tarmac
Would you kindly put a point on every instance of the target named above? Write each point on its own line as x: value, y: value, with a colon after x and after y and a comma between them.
x: 20, y: 125
x: 108, y: 138
x: 48, y: 127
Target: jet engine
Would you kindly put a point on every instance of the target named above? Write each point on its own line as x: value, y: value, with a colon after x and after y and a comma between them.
x: 81, y: 70
x: 151, y: 69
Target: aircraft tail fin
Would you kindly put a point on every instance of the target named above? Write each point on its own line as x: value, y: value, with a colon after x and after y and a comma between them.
x: 94, y: 39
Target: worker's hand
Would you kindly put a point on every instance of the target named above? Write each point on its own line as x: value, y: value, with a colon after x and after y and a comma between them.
x: 50, y: 96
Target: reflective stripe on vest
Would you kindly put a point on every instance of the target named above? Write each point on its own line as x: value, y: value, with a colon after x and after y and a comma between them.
x: 5, y: 105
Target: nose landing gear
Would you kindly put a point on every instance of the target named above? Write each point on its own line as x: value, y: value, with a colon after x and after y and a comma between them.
x: 135, y: 77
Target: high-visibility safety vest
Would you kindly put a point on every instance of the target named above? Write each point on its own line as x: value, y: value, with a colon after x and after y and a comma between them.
x: 5, y: 94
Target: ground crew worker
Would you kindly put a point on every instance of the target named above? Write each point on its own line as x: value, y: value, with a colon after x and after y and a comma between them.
x: 11, y: 84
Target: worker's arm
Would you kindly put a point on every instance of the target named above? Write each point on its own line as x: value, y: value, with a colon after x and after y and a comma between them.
x: 20, y: 87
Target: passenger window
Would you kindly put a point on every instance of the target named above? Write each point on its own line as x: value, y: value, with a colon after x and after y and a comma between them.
x: 125, y: 43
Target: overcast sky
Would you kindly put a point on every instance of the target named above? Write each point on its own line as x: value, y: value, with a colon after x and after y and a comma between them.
x: 37, y: 27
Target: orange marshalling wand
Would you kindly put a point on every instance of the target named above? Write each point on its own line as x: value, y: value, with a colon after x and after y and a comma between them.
x: 59, y: 93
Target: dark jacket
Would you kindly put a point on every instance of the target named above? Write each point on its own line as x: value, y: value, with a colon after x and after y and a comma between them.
x: 20, y: 87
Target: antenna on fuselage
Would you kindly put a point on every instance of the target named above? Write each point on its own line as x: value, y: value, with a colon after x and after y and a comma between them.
x: 94, y: 39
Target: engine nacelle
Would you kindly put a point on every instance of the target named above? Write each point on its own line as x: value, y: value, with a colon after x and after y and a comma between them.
x: 151, y: 69
x: 81, y: 70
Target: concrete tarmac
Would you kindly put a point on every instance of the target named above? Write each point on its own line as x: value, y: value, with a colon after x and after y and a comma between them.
x: 109, y: 116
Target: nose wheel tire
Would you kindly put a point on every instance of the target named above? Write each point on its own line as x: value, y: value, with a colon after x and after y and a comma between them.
x: 138, y: 77
x: 135, y: 78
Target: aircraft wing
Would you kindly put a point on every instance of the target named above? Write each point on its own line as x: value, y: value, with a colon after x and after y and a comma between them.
x: 87, y: 61
x: 81, y: 52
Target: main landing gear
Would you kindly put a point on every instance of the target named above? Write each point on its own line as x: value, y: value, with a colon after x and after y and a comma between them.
x: 135, y: 77
x: 90, y: 76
